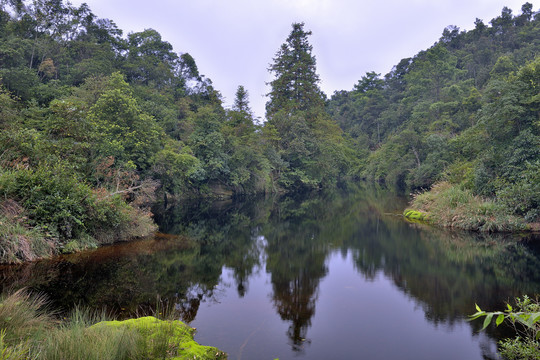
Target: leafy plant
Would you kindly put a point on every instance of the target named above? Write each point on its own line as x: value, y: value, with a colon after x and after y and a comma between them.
x: 525, y: 319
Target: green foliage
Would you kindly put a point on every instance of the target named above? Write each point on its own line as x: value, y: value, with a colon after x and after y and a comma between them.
x: 453, y: 206
x: 520, y: 349
x: 121, y: 130
x: 176, y: 169
x: 63, y: 209
x: 28, y: 330
x: 525, y: 319
x: 117, y: 112
x: 465, y: 110
x: 53, y: 196
x: 310, y: 151
x: 162, y: 339
x: 295, y: 87
x: 208, y: 145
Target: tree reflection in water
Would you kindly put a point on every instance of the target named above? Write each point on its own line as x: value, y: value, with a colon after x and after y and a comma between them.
x: 292, y: 239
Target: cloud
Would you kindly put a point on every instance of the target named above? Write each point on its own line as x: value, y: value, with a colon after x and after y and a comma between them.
x: 234, y: 41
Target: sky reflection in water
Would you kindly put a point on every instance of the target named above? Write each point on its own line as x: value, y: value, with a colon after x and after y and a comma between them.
x: 335, y: 275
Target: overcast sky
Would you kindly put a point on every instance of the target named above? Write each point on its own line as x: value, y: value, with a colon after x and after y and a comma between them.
x: 234, y: 41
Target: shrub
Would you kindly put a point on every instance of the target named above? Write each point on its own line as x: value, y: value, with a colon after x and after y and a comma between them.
x: 52, y: 195
x: 62, y: 208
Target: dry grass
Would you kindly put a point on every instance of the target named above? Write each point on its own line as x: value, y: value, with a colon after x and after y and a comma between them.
x: 18, y: 241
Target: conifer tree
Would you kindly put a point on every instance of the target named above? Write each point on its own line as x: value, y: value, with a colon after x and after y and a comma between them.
x: 295, y: 87
x: 241, y: 100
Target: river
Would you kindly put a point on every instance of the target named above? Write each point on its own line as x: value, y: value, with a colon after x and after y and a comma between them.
x: 337, y: 275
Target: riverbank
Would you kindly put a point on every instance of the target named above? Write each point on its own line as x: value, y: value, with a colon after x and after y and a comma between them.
x: 448, y: 205
x: 31, y: 330
x: 104, y: 221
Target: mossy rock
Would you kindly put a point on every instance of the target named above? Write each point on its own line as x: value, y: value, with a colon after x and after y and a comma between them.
x: 164, y: 339
x: 415, y: 215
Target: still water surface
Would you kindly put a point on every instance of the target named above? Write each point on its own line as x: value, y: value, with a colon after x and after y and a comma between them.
x: 326, y: 276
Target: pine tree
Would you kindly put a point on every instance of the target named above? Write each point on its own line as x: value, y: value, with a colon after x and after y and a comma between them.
x: 295, y: 87
x: 241, y: 100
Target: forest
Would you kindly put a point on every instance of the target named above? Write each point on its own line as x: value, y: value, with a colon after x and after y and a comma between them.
x: 97, y: 126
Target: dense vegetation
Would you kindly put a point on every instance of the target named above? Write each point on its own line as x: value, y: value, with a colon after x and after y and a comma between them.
x: 96, y: 126
x: 465, y: 111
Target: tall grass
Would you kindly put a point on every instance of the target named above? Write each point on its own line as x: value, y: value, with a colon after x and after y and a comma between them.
x: 29, y: 329
x: 17, y: 352
x: 23, y: 317
x: 452, y: 206
x: 21, y: 243
x: 75, y: 339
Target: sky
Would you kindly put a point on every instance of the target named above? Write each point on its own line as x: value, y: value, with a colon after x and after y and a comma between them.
x: 234, y: 41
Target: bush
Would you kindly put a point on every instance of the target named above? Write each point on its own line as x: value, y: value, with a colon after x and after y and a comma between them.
x: 522, y: 196
x: 65, y: 212
x: 53, y: 197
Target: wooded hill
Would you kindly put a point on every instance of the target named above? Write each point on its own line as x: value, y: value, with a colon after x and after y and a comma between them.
x: 465, y: 111
x: 96, y: 126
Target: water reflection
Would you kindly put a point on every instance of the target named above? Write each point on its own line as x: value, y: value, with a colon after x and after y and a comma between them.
x: 292, y: 241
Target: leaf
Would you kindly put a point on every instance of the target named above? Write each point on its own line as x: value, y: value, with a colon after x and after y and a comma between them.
x: 535, y: 317
x: 487, y: 321
x: 477, y: 307
x: 477, y: 315
x: 509, y: 307
x: 531, y: 319
x: 499, y: 320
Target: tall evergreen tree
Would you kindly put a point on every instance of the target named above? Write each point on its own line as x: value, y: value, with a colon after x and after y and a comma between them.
x: 295, y: 87
x: 308, y: 144
x: 241, y: 100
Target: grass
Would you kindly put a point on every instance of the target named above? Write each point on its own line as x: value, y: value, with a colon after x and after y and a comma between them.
x: 452, y: 206
x: 19, y: 242
x: 23, y: 316
x: 75, y: 339
x: 29, y: 329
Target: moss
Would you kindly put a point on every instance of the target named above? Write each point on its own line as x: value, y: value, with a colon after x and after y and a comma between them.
x: 415, y: 215
x: 165, y: 339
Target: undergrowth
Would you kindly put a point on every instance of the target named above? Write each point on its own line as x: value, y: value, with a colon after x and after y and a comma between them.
x: 452, y: 206
x: 30, y: 329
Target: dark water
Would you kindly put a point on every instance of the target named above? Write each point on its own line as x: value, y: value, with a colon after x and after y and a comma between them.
x: 325, y: 276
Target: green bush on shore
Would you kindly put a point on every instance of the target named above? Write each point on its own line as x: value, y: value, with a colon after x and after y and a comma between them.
x: 452, y: 206
x: 48, y: 209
